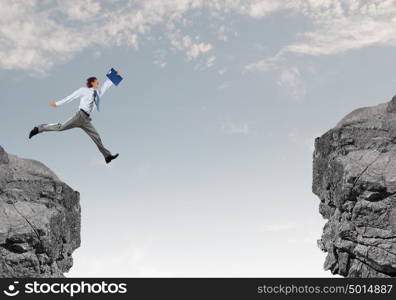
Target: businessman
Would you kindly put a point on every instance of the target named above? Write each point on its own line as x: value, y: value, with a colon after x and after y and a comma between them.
x: 89, y: 97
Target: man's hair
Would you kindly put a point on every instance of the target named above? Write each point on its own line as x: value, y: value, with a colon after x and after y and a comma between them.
x: 90, y: 80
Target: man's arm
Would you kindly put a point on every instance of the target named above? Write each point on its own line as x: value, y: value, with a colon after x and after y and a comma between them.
x: 108, y: 83
x: 71, y: 97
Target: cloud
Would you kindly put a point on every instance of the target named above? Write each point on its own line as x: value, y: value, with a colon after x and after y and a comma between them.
x: 195, y: 49
x: 35, y: 35
x: 231, y: 128
x: 346, y: 34
x: 80, y: 10
x: 266, y: 64
x: 224, y: 32
x: 291, y: 80
x: 338, y: 26
x: 159, y: 58
x: 191, y: 46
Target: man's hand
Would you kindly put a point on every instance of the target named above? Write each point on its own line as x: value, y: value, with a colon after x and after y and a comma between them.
x: 53, y: 103
x: 118, y: 73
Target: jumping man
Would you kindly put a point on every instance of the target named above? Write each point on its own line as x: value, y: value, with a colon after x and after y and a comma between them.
x: 89, y: 96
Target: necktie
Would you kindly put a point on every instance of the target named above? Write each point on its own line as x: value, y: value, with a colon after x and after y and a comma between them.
x: 96, y: 99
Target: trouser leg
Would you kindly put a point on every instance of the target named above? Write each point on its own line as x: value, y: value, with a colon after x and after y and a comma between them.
x: 72, y: 122
x: 94, y: 135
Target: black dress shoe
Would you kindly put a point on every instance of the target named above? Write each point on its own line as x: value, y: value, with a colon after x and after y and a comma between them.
x: 33, y: 132
x: 110, y: 158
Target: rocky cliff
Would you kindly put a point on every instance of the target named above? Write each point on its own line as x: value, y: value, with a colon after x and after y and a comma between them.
x: 354, y: 175
x: 39, y: 220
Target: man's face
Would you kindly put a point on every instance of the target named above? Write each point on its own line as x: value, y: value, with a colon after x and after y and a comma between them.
x: 95, y: 84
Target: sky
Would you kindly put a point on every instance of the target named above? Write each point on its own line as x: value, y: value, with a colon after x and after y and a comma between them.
x: 214, y: 121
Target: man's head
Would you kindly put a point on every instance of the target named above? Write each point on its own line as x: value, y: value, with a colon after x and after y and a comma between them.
x: 92, y: 82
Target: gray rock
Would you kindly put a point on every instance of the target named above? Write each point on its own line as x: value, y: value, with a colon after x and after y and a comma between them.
x: 40, y: 219
x: 354, y: 176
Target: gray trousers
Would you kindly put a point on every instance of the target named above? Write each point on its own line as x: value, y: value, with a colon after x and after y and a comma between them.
x: 82, y: 121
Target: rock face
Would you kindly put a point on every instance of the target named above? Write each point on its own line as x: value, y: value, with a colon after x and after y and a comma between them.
x: 354, y: 175
x: 39, y: 220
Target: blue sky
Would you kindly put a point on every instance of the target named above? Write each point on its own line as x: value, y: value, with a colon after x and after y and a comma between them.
x: 214, y: 122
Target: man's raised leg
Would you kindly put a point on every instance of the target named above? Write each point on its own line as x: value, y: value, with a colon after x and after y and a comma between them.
x: 72, y: 122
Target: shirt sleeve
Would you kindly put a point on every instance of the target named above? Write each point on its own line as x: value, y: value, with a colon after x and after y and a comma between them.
x: 108, y: 83
x: 71, y: 97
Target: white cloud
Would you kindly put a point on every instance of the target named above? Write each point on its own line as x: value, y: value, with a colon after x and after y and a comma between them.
x: 291, y: 80
x: 347, y: 34
x: 231, y: 128
x: 224, y: 32
x: 266, y: 64
x: 338, y: 26
x: 195, y: 49
x: 35, y: 34
x: 192, y: 47
x: 80, y: 9
x: 347, y: 25
x: 159, y: 58
x: 261, y: 8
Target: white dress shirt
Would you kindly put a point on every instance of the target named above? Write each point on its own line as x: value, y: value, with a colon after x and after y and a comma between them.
x: 86, y: 96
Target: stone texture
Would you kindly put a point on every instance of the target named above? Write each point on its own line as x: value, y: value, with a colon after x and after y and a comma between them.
x: 354, y: 175
x: 39, y: 220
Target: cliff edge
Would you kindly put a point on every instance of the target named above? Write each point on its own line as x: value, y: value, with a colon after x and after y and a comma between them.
x: 39, y: 220
x: 354, y: 175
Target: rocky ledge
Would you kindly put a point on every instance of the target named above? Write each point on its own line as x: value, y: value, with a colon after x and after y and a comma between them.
x: 354, y: 175
x: 39, y: 220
